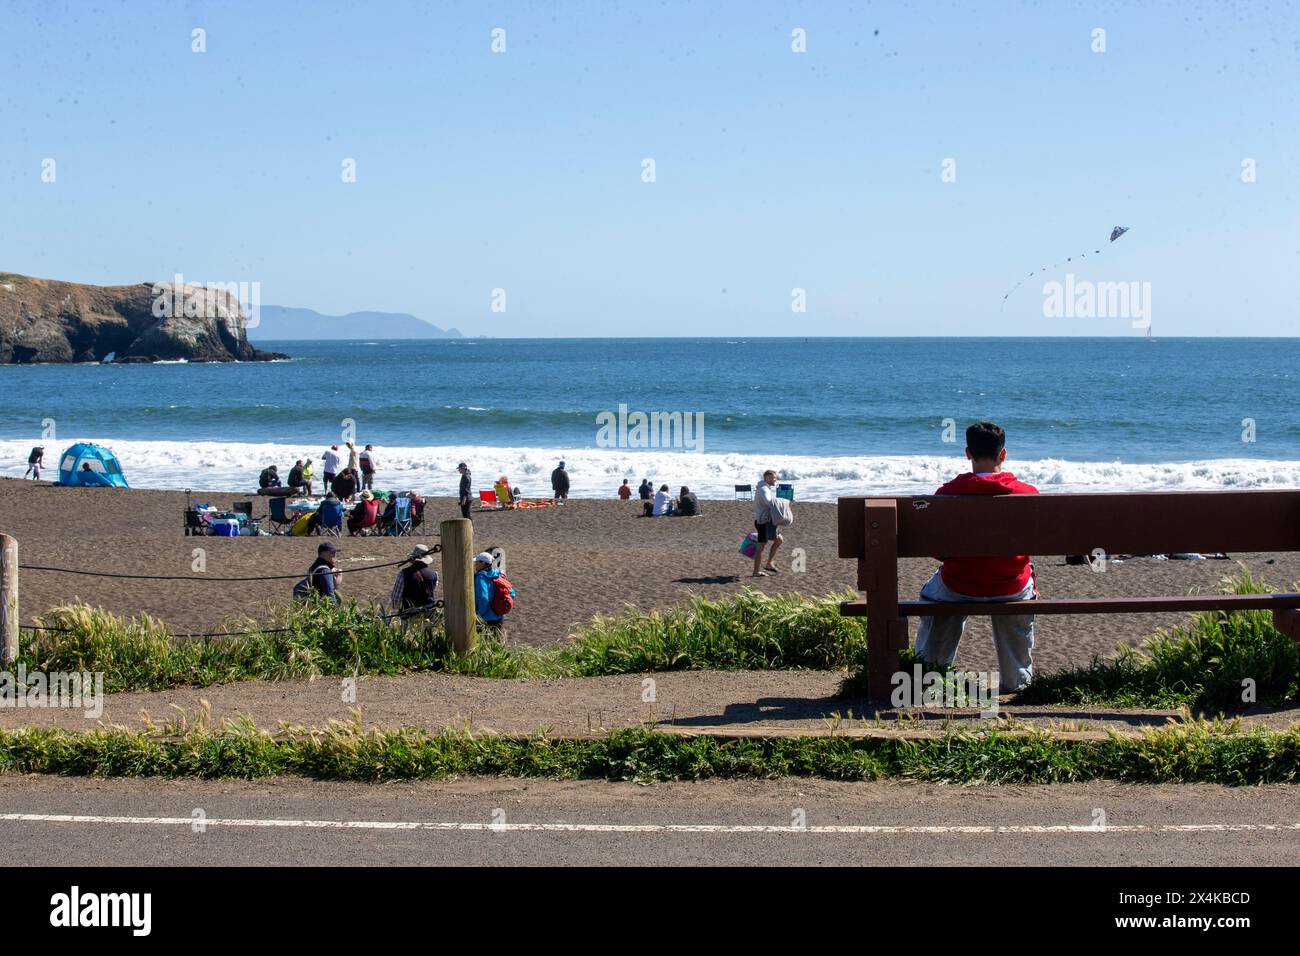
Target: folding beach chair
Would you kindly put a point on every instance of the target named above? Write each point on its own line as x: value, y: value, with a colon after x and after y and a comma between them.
x: 280, y: 518
x: 744, y: 492
x: 401, y: 517
x: 487, y: 501
x: 331, y: 518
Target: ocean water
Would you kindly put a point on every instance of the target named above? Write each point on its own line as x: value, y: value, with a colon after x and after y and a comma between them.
x: 835, y: 416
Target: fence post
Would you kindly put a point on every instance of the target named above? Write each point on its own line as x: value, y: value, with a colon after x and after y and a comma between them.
x: 8, y: 599
x: 458, y: 582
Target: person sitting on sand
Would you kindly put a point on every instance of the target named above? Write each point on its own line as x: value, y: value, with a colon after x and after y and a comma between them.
x: 365, y: 514
x: 295, y: 475
x: 34, y: 462
x: 485, y: 577
x: 416, y: 590
x: 322, y: 577
x: 269, y: 478
x: 502, y: 488
x: 688, y: 506
x: 765, y: 524
x: 663, y: 504
x: 961, y: 580
x: 624, y: 491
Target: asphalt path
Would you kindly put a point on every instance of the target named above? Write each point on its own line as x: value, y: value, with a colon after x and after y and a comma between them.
x: 57, y: 821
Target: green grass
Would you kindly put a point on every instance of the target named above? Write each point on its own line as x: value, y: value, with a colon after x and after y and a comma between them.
x: 749, y: 631
x: 1198, y: 752
x: 1205, y: 665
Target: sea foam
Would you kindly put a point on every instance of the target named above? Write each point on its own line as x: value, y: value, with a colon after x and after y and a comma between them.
x: 597, y: 472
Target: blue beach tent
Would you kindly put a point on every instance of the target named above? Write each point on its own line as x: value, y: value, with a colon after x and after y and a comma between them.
x: 90, y: 466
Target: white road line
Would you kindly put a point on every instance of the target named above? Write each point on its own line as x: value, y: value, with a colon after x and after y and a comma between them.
x: 633, y: 827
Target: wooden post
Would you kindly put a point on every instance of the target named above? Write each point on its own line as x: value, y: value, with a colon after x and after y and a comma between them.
x: 878, y: 577
x: 8, y: 599
x: 458, y: 582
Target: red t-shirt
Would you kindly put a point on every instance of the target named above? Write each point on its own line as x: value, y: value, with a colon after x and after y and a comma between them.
x: 987, y: 577
x: 624, y: 492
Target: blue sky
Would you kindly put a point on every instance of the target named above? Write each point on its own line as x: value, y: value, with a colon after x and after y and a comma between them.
x: 775, y: 170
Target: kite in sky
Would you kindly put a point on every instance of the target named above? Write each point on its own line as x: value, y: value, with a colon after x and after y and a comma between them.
x: 1114, y: 234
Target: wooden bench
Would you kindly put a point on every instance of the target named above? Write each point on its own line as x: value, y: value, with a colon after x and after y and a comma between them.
x: 878, y: 531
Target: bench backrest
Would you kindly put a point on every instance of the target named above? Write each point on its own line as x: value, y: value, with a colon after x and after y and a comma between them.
x: 1117, y: 523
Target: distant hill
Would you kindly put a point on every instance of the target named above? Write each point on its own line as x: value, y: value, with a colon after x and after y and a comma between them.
x: 282, y: 322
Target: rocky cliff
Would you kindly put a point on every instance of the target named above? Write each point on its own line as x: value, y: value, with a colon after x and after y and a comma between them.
x: 42, y: 320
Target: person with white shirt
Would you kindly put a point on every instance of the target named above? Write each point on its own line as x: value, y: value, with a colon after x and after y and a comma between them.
x: 663, y: 503
x: 765, y: 524
x: 330, y: 465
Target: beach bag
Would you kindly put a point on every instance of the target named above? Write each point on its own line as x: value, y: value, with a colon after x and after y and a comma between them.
x: 749, y: 544
x: 782, y: 513
x: 502, y: 600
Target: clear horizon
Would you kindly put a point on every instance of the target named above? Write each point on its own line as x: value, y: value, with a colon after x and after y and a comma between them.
x: 904, y: 171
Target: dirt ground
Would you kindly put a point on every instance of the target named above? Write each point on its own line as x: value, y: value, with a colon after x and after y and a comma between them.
x: 569, y: 563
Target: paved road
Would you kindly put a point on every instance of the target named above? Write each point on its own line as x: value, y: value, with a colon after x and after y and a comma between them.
x: 55, y: 821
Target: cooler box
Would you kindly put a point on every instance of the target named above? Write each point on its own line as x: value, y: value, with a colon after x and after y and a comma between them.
x: 224, y: 527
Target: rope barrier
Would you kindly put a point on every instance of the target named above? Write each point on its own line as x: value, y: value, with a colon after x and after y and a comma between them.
x: 435, y: 549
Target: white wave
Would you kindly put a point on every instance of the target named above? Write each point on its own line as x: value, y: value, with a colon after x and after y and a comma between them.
x: 596, y: 473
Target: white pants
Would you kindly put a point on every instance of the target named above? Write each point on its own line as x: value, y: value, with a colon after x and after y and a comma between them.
x: 1013, y: 634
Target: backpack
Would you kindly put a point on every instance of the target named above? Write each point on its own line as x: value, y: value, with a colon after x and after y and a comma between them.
x: 502, y: 600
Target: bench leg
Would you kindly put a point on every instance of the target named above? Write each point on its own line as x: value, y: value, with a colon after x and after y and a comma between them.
x: 1287, y: 620
x: 885, y: 638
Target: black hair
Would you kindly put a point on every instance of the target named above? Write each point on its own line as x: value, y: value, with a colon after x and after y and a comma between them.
x: 985, y: 440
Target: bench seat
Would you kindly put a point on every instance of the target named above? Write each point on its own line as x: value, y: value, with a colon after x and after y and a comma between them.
x: 1135, y: 605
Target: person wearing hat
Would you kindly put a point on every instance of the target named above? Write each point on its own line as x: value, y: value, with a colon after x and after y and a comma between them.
x: 34, y: 462
x: 560, y: 484
x: 322, y: 576
x: 416, y: 589
x: 463, y: 495
x: 486, y: 575
x: 365, y: 514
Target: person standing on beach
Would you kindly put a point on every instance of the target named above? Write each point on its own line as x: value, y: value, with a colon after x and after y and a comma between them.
x: 463, y: 494
x: 34, y: 462
x: 645, y: 490
x: 959, y: 580
x: 330, y: 465
x: 765, y: 524
x: 308, y: 471
x: 368, y: 463
x: 624, y: 491
x: 560, y: 484
x: 490, y: 604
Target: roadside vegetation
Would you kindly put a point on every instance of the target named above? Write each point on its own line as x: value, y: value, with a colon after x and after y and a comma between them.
x: 1197, y: 752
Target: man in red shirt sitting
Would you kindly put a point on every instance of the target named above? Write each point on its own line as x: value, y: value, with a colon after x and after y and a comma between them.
x: 983, y: 579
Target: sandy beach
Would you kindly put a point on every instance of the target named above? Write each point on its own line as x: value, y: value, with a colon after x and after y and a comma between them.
x: 568, y: 564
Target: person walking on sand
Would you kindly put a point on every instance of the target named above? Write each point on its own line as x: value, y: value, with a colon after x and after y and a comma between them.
x: 974, y: 579
x: 463, y: 494
x: 560, y: 484
x: 416, y: 589
x: 624, y: 491
x: 322, y: 578
x: 765, y: 519
x: 34, y: 462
